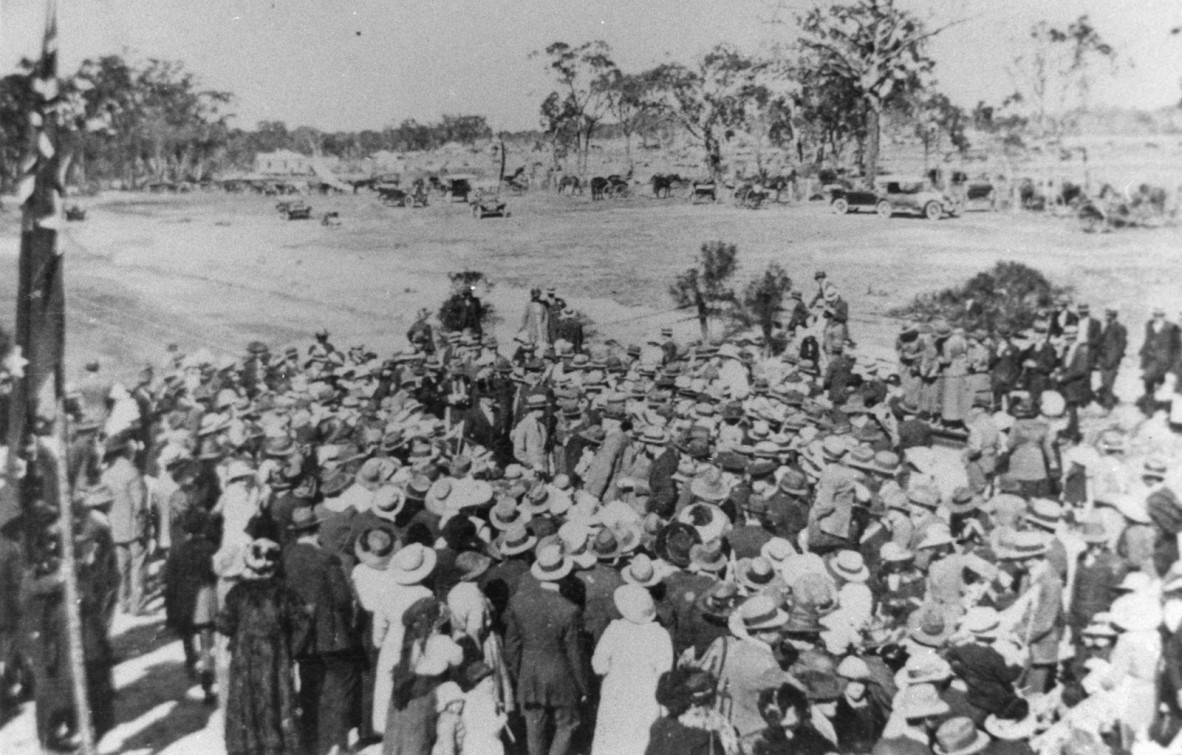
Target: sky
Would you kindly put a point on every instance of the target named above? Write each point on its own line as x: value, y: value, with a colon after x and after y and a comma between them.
x: 357, y: 64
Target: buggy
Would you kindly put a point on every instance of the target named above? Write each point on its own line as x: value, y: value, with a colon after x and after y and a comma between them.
x: 458, y: 188
x: 704, y: 191
x: 297, y: 210
x: 487, y: 203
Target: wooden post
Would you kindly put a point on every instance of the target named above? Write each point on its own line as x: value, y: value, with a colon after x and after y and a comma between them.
x: 70, y: 583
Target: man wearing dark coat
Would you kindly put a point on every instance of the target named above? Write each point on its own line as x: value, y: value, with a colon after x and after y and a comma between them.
x: 470, y: 312
x: 545, y: 655
x: 1159, y: 351
x: 330, y: 659
x: 787, y: 509
x: 1111, y: 350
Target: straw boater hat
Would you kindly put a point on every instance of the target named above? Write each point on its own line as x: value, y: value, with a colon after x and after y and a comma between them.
x: 576, y: 538
x: 708, y: 557
x: 893, y: 553
x: 388, y: 501
x: 853, y: 668
x: 960, y: 736
x: 505, y: 514
x: 755, y: 574
x: 1044, y: 514
x: 412, y: 564
x: 375, y: 548
x: 922, y: 668
x: 641, y: 572
x: 982, y: 622
x: 928, y: 629
x: 471, y: 565
x: 935, y: 537
x: 849, y: 566
x: 1136, y: 612
x: 777, y: 551
x: 719, y: 601
x: 514, y: 541
x: 551, y: 562
x: 634, y: 603
x: 1100, y: 626
x: 1022, y: 545
x: 759, y: 613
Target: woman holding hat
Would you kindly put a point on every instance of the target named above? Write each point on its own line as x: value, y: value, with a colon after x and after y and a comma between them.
x: 425, y: 659
x: 631, y: 656
x: 265, y: 621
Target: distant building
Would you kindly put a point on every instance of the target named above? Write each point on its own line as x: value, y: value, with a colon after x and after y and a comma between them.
x: 283, y: 162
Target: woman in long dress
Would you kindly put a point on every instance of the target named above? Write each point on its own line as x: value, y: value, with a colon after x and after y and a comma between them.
x: 631, y: 656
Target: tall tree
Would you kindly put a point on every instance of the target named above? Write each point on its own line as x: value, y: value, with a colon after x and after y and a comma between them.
x: 873, y: 47
x: 706, y: 285
x: 710, y: 100
x: 581, y: 99
x: 1055, y: 74
x: 631, y: 102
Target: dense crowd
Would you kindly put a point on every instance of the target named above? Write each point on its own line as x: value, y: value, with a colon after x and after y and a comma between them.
x: 561, y: 547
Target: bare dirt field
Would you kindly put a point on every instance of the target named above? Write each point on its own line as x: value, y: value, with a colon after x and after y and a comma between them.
x: 214, y: 270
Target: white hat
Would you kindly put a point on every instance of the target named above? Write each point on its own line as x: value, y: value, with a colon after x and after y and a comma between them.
x: 446, y: 694
x: 440, y: 653
x: 634, y: 603
x: 412, y: 564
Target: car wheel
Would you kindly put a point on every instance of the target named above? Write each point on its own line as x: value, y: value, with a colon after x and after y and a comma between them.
x: 841, y: 206
x: 883, y: 209
x: 932, y: 211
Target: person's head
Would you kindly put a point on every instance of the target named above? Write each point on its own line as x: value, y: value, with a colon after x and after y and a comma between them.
x: 1159, y: 314
x: 855, y: 690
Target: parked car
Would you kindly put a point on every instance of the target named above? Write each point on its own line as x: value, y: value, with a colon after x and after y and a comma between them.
x: 891, y: 195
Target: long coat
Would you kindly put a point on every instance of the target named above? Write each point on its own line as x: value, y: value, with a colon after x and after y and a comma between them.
x: 1159, y: 350
x: 319, y: 579
x: 630, y: 658
x: 663, y: 489
x: 954, y: 384
x: 264, y: 620
x: 1114, y: 339
x: 543, y: 650
x: 1075, y: 381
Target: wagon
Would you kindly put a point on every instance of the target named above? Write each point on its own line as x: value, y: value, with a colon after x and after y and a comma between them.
x: 296, y: 211
x: 704, y: 191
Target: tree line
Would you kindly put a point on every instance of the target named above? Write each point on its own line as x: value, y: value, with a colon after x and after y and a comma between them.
x: 852, y: 67
x: 822, y: 99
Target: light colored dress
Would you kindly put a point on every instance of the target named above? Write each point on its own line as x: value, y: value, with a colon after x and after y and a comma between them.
x: 1134, y: 667
x: 388, y: 631
x: 630, y: 658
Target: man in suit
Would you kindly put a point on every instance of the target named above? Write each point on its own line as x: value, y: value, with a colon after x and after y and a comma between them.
x: 1114, y: 339
x: 1075, y: 376
x: 330, y: 662
x: 1159, y: 350
x: 130, y: 522
x: 1061, y: 317
x: 662, y: 488
x: 1089, y: 331
x: 545, y: 656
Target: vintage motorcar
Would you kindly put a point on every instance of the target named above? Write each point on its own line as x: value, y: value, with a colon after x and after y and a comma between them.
x: 895, y: 195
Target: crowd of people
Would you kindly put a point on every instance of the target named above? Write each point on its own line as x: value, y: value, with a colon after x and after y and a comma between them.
x: 560, y: 547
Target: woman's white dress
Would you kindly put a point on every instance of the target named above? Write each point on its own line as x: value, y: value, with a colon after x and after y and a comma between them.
x: 630, y: 658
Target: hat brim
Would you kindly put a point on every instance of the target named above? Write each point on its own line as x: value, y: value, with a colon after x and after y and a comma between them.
x: 1011, y: 731
x: 555, y: 575
x: 415, y: 576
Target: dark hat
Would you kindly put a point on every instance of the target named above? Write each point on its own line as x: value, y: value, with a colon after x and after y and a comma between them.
x: 305, y: 518
x: 794, y: 482
x: 762, y: 467
x: 674, y: 543
x: 257, y: 347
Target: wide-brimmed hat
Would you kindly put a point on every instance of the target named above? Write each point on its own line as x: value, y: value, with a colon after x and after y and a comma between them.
x: 375, y: 547
x: 922, y: 495
x: 1155, y: 467
x: 854, y: 668
x: 777, y: 551
x: 793, y: 482
x: 1023, y: 544
x: 1100, y: 626
x: 981, y: 621
x: 755, y: 574
x: 1136, y: 612
x: 653, y: 435
x: 388, y: 501
x: 919, y: 701
x: 849, y: 566
x: 1092, y: 530
x: 674, y: 543
x: 760, y: 612
x: 551, y: 563
x: 1044, y: 513
x: 471, y: 565
x: 893, y: 553
x: 537, y: 500
x: 634, y: 603
x: 708, y: 519
x: 709, y: 486
x: 720, y: 600
x: 960, y: 736
x: 923, y: 668
x: 1017, y: 722
x: 515, y: 541
x: 963, y: 501
x: 412, y: 564
x: 708, y: 557
x: 1132, y: 507
x: 929, y: 629
x: 641, y: 572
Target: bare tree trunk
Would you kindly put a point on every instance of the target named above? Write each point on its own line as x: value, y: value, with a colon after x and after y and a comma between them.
x: 872, y: 143
x: 703, y: 316
x: 628, y: 148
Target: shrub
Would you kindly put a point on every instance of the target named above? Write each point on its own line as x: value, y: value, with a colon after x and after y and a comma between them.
x: 449, y: 311
x: 1009, y: 296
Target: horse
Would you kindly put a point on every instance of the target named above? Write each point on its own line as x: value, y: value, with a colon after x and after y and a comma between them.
x: 663, y: 184
x: 599, y: 187
x: 570, y: 182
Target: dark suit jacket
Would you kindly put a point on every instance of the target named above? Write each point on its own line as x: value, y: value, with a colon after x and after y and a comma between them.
x: 543, y: 650
x: 1114, y: 340
x: 662, y: 489
x: 1076, y: 378
x: 318, y: 578
x: 1159, y: 350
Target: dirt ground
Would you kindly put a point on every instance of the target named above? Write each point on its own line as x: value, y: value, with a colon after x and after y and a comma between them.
x: 215, y: 271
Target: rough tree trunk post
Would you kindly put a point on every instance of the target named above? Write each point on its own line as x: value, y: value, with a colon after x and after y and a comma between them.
x: 872, y: 143
x: 703, y: 316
